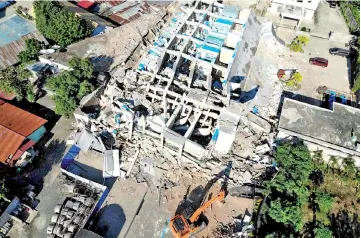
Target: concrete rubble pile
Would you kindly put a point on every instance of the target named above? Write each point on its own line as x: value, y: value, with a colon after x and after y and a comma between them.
x: 239, y: 228
x: 169, y: 122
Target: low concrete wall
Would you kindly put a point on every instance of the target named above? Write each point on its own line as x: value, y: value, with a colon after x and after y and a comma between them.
x: 340, y: 37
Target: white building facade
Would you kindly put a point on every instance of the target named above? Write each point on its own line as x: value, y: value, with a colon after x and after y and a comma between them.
x: 295, y: 9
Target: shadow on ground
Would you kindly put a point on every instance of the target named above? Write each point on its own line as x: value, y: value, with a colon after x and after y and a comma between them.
x: 35, y: 172
x: 111, y: 220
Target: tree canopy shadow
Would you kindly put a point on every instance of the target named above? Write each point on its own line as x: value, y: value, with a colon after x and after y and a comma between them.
x: 43, y: 163
x: 345, y: 225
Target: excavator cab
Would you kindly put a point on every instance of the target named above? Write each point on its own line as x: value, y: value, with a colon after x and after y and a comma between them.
x: 179, y: 226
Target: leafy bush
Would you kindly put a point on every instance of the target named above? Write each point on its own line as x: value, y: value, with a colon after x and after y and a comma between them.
x: 323, y: 232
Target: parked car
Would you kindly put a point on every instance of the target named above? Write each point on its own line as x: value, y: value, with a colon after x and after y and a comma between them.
x: 319, y: 61
x: 340, y: 52
x: 333, y: 4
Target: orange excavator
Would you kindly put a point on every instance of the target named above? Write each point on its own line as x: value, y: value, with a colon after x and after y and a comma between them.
x: 186, y: 222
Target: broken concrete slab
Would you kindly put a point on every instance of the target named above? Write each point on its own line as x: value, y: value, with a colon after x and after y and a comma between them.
x: 259, y: 122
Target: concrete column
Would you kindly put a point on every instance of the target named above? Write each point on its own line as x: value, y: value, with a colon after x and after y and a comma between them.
x: 165, y: 107
x: 298, y: 24
x: 174, y: 116
x: 161, y: 140
x: 193, y: 125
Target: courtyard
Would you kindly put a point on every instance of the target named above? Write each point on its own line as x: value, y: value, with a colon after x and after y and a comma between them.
x: 335, y: 76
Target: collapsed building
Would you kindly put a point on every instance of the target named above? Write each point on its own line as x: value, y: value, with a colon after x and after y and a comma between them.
x: 182, y: 104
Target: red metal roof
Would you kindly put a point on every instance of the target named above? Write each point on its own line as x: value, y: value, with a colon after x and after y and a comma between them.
x: 18, y: 120
x: 7, y: 96
x: 86, y: 4
x: 10, y: 141
x: 22, y: 149
x: 17, y: 155
x: 27, y: 145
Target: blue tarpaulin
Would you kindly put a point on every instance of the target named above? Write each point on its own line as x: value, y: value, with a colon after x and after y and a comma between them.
x: 211, y: 48
x: 13, y: 29
x: 4, y: 4
x: 215, y: 135
x: 331, y: 99
x: 224, y: 21
x: 101, y: 201
x: 217, y: 85
x: 343, y: 99
x: 70, y: 156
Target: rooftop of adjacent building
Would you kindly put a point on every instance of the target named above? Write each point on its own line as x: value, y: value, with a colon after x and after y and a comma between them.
x: 14, y: 31
x: 15, y: 125
x: 335, y: 126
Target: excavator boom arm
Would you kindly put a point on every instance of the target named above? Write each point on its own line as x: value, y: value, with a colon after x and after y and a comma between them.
x: 204, y: 207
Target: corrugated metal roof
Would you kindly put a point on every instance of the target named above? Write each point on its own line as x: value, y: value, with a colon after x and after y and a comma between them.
x: 10, y: 141
x: 86, y: 4
x: 9, y: 52
x: 18, y: 120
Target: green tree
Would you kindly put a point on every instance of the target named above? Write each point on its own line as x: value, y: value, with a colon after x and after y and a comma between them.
x: 84, y: 89
x: 64, y: 106
x: 298, y: 43
x: 31, y: 52
x: 333, y: 163
x: 349, y: 168
x: 14, y: 80
x: 303, y: 40
x: 286, y: 212
x: 71, y: 86
x: 323, y: 232
x: 287, y: 191
x: 59, y: 24
x: 295, y: 80
x: 65, y: 84
x: 82, y: 67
